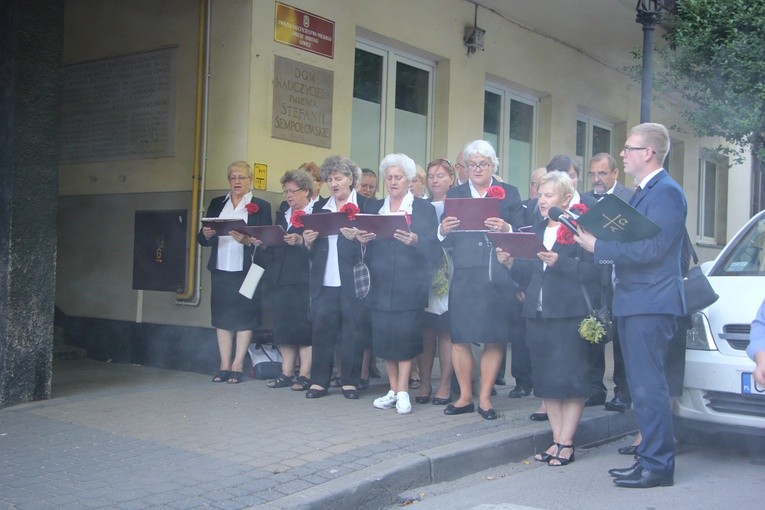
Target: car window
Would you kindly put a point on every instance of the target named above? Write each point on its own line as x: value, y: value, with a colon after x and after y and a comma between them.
x: 746, y: 257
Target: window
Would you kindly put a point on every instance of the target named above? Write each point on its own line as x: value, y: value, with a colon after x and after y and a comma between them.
x: 392, y: 106
x: 707, y: 197
x: 509, y: 123
x: 592, y: 137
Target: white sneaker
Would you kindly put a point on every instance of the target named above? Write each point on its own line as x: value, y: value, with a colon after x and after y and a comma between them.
x: 387, y: 401
x: 403, y: 405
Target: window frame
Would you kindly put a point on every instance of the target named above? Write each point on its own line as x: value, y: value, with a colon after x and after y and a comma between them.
x: 591, y: 122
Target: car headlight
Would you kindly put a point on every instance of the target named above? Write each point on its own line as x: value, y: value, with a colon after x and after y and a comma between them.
x: 699, y: 336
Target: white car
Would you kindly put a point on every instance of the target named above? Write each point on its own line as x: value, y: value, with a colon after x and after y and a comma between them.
x: 718, y: 394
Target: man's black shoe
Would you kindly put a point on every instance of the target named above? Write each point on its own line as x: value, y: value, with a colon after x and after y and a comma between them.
x: 625, y: 472
x: 618, y: 403
x: 519, y: 391
x: 645, y: 479
x: 597, y: 399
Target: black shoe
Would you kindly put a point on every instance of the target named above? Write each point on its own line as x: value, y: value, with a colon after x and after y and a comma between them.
x: 437, y: 401
x: 452, y: 409
x: 363, y: 384
x: 352, y: 394
x: 597, y: 399
x: 628, y: 450
x: 312, y: 393
x: 500, y: 381
x: 519, y: 391
x: 618, y: 403
x: 539, y: 417
x: 645, y: 479
x: 493, y: 391
x: 625, y: 472
x: 489, y: 414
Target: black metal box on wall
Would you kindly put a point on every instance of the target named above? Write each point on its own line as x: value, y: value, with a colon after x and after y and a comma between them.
x: 159, y: 250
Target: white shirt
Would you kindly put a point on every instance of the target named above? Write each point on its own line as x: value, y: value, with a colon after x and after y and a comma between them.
x: 332, y: 269
x: 648, y: 178
x: 230, y: 253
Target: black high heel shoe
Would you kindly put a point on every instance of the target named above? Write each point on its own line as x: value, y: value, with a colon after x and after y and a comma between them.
x: 424, y: 399
x: 562, y: 460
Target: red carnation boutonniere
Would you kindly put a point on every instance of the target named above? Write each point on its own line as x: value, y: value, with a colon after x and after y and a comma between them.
x: 297, y: 218
x: 351, y: 210
x: 252, y: 208
x: 564, y: 235
x: 496, y: 192
x: 408, y: 219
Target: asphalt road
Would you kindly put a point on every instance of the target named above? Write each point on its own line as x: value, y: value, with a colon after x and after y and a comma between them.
x: 706, y: 476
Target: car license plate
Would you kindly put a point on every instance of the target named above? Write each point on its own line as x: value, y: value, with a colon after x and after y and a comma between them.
x: 750, y: 387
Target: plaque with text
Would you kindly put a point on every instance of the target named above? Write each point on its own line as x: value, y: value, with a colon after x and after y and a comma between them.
x: 302, y: 106
x: 304, y: 30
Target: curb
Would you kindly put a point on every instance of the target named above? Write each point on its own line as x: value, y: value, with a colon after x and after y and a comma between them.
x: 378, y: 487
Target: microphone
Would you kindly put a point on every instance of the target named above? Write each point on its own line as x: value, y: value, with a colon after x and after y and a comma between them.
x: 557, y: 214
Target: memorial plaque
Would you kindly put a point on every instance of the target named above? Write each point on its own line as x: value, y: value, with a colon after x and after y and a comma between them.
x: 302, y: 108
x: 120, y: 108
x: 304, y: 30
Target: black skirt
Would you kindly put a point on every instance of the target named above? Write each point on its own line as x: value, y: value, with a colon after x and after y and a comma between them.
x: 290, y: 306
x: 478, y: 308
x: 559, y: 358
x: 396, y: 336
x: 229, y: 309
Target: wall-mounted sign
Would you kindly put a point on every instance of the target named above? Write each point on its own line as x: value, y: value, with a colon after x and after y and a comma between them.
x: 259, y: 176
x: 304, y: 30
x: 302, y: 108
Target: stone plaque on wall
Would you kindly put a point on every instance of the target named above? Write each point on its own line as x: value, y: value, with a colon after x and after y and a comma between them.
x: 119, y: 108
x: 302, y: 109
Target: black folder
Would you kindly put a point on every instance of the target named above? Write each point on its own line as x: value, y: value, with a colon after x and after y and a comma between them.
x: 613, y: 219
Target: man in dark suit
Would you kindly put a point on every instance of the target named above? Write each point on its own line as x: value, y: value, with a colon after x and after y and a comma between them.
x: 603, y: 174
x: 648, y: 301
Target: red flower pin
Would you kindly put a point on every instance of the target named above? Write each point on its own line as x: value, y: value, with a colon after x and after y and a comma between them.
x: 297, y: 218
x: 408, y: 218
x: 351, y: 210
x: 564, y: 235
x: 252, y: 208
x: 579, y: 209
x: 496, y: 192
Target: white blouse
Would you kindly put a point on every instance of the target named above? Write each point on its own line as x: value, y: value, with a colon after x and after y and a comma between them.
x: 231, y: 253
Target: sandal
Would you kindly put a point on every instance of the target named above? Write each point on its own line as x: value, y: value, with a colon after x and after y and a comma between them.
x: 544, y: 456
x: 235, y: 377
x: 415, y: 384
x: 302, y: 383
x: 221, y: 376
x: 562, y: 461
x: 334, y: 382
x: 280, y: 382
x: 363, y: 384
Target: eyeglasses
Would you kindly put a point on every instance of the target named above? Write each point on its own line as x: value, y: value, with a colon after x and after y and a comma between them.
x: 483, y: 165
x: 599, y: 175
x: 627, y: 148
x: 234, y: 178
x: 288, y: 192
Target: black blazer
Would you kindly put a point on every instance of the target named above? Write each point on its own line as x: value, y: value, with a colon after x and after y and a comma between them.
x: 262, y: 217
x: 400, y: 274
x: 348, y: 253
x: 561, y: 285
x: 286, y: 265
x: 472, y: 249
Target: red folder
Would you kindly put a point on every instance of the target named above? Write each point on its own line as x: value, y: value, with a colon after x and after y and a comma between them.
x: 269, y: 235
x: 472, y: 212
x: 382, y: 225
x: 520, y: 245
x: 326, y: 224
x: 223, y: 225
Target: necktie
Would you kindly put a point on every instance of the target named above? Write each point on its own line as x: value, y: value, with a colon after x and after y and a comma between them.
x: 635, y: 197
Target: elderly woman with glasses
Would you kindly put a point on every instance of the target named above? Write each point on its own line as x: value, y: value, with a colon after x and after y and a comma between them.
x: 398, y: 284
x: 477, y: 304
x: 335, y: 309
x: 233, y: 315
x: 287, y: 280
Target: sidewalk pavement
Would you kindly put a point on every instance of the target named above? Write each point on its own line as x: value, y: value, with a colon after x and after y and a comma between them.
x: 132, y: 437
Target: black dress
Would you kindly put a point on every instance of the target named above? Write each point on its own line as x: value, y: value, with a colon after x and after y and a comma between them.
x: 229, y: 309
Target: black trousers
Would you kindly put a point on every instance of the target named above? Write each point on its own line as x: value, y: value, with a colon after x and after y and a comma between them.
x: 335, y: 317
x: 520, y: 360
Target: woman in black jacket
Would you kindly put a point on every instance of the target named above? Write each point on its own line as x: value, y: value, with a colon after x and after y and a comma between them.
x: 233, y: 315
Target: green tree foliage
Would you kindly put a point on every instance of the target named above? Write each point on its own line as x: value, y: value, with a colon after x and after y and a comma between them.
x: 716, y: 60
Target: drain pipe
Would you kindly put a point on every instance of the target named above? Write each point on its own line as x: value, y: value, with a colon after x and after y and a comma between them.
x: 192, y: 294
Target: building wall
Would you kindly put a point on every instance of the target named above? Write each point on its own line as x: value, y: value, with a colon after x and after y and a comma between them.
x: 98, y: 200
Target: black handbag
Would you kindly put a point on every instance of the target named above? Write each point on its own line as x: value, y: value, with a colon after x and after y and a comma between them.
x: 602, y: 314
x: 699, y: 293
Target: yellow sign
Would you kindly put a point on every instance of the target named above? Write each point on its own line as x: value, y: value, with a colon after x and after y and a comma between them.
x: 259, y: 176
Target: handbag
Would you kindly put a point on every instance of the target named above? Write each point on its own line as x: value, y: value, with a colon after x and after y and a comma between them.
x: 699, y: 293
x: 602, y: 314
x: 251, y: 280
x: 266, y: 361
x: 361, y: 279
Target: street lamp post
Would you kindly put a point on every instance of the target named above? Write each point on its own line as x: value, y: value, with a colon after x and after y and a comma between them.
x: 648, y: 15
